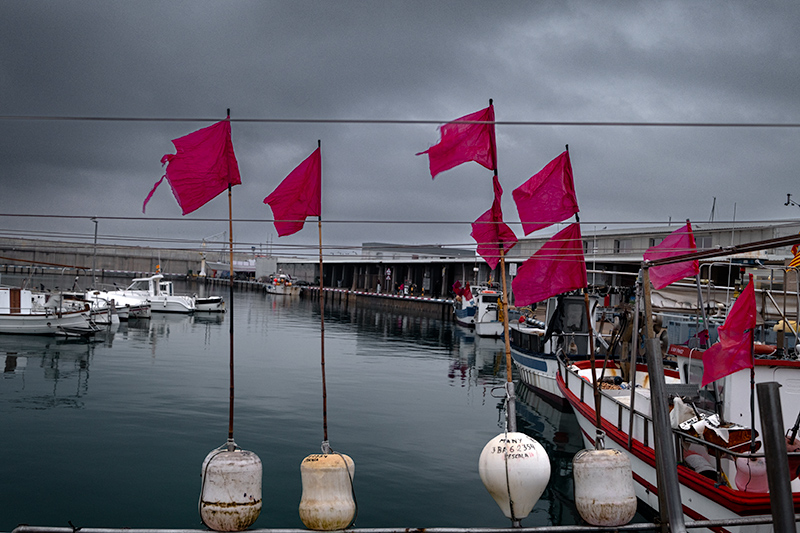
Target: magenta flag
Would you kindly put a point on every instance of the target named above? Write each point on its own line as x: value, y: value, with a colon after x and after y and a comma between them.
x: 547, y: 197
x: 298, y: 196
x: 734, y: 351
x: 461, y: 143
x: 557, y: 267
x: 491, y: 233
x: 203, y: 166
x: 679, y: 242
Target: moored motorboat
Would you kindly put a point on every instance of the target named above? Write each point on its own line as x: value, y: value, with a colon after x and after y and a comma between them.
x: 282, y: 284
x: 488, y: 313
x: 209, y: 304
x: 28, y: 313
x: 160, y: 301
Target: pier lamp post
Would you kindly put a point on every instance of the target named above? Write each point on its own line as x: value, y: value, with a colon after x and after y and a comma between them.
x: 94, y: 255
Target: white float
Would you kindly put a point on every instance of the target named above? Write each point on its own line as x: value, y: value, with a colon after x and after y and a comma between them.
x: 514, y: 468
x: 327, y: 503
x: 604, y: 490
x: 230, y: 494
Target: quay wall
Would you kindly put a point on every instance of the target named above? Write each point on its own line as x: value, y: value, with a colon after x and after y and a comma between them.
x: 431, y: 307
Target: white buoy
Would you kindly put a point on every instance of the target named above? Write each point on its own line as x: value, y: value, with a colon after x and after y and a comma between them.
x: 515, y: 470
x: 230, y: 495
x: 751, y: 474
x: 604, y: 491
x: 327, y: 503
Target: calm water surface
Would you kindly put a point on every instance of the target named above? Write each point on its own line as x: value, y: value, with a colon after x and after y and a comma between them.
x: 112, y: 433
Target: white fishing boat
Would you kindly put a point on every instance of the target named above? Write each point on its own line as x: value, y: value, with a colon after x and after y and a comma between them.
x: 464, y: 311
x: 160, y: 301
x: 209, y: 304
x: 717, y: 480
x: 282, y: 284
x: 28, y: 313
x: 128, y: 305
x: 488, y: 314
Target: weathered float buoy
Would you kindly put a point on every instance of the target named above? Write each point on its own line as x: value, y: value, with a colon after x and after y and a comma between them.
x: 230, y: 494
x: 751, y: 474
x: 515, y: 470
x: 604, y: 492
x: 327, y: 503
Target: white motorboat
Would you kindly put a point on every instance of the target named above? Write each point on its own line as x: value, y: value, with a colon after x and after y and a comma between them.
x: 28, y: 313
x: 209, y: 304
x: 160, y: 301
x: 281, y: 283
x: 488, y: 314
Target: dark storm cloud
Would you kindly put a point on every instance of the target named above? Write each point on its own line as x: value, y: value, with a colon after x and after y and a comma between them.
x: 553, y: 61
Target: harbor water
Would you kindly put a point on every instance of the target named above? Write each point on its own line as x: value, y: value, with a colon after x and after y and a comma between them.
x: 112, y: 432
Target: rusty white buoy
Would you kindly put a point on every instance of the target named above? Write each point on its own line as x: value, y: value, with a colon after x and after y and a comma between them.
x: 604, y: 491
x: 515, y: 470
x: 327, y: 503
x: 230, y: 494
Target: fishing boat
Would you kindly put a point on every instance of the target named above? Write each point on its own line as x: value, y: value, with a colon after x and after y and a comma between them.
x: 534, y: 350
x: 25, y: 312
x: 208, y: 304
x: 282, y: 284
x: 149, y: 289
x: 717, y: 480
x: 464, y: 311
x: 488, y: 317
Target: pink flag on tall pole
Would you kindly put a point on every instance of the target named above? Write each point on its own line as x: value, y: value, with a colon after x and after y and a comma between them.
x: 462, y: 142
x: 734, y: 351
x: 298, y: 196
x: 547, y: 197
x: 490, y: 232
x: 203, y: 166
x: 557, y: 267
x: 679, y: 242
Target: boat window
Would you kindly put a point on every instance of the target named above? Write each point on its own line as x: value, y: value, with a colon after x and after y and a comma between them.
x: 490, y: 298
x: 139, y: 286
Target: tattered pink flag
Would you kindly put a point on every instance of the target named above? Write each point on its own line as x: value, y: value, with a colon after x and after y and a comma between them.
x: 461, y: 143
x: 679, y: 242
x: 548, y: 197
x: 557, y: 267
x: 734, y: 351
x: 298, y: 196
x: 203, y: 166
x: 491, y: 233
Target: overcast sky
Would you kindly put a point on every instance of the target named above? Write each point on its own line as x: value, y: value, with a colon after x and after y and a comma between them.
x: 686, y: 62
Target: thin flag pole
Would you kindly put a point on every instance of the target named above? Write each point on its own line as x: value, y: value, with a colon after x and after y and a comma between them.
x: 325, y: 445
x: 231, y: 445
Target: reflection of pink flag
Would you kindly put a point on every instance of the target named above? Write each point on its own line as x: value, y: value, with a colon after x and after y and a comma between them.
x: 558, y: 266
x: 298, y: 196
x: 679, y: 242
x: 460, y: 143
x: 203, y: 166
x: 734, y: 350
x: 491, y: 232
x: 548, y: 197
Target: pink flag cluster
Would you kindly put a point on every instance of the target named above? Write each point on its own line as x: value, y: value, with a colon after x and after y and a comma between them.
x: 298, y: 196
x: 203, y: 166
x: 679, y: 242
x: 734, y: 351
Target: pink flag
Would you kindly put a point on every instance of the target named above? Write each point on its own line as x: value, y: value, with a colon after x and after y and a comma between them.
x: 203, y: 166
x: 679, y: 242
x: 467, y: 292
x: 734, y: 351
x: 491, y: 233
x: 558, y: 266
x: 460, y: 143
x: 547, y: 197
x: 457, y: 290
x: 298, y: 196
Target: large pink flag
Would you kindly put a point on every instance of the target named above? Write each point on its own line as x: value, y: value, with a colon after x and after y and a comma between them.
x: 558, y: 266
x: 461, y: 143
x: 491, y: 233
x: 298, y: 196
x: 734, y: 351
x: 679, y: 242
x: 548, y: 197
x: 203, y: 166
